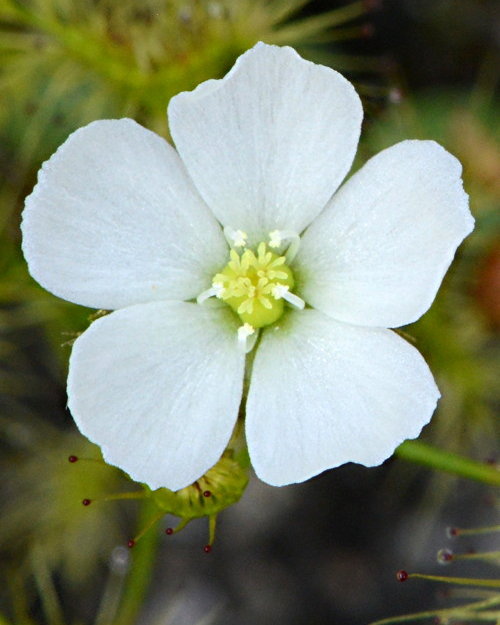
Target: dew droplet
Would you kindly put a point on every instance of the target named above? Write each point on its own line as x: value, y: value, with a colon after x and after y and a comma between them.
x: 444, y: 556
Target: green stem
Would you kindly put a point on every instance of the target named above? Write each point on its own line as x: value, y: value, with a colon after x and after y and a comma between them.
x: 143, y: 559
x: 422, y: 453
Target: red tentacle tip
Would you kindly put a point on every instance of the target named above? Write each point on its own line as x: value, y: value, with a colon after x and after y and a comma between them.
x: 72, y: 458
x: 169, y: 531
x: 452, y: 532
x: 207, y: 493
x: 86, y: 502
x: 207, y: 548
x: 131, y: 543
x: 402, y: 576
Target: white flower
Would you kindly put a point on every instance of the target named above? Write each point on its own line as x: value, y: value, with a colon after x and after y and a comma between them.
x: 120, y: 220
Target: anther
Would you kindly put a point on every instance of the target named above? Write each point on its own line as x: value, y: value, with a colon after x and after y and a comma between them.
x: 207, y: 493
x: 72, y: 458
x: 131, y: 543
x: 275, y: 239
x: 86, y: 502
x: 278, y: 237
x: 235, y: 238
x: 169, y: 531
x: 283, y: 291
x: 216, y: 290
x: 207, y: 548
x: 244, y: 341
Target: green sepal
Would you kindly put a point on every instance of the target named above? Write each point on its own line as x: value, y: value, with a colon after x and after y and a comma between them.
x: 220, y: 487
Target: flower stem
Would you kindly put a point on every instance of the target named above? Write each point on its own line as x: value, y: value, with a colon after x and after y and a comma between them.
x: 143, y: 559
x: 422, y: 453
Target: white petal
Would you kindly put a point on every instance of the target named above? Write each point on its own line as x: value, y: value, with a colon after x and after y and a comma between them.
x: 158, y: 387
x: 323, y: 393
x: 114, y: 220
x: 268, y: 145
x: 378, y: 253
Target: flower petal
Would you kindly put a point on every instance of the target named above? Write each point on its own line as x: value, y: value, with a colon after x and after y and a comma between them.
x: 323, y: 393
x: 158, y: 387
x: 378, y: 253
x: 114, y: 220
x: 268, y: 145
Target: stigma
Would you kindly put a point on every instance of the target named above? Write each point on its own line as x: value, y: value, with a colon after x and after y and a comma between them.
x: 255, y: 284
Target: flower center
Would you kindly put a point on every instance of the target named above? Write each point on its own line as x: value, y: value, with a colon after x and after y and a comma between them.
x: 254, y: 285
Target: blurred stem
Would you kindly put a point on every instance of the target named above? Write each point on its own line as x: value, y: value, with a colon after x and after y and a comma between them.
x: 471, y: 611
x: 421, y: 453
x: 46, y: 589
x: 143, y: 559
x: 17, y: 592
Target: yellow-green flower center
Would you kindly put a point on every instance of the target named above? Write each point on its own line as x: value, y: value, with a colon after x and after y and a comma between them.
x: 255, y: 285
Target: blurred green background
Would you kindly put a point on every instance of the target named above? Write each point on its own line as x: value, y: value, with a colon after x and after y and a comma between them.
x: 321, y: 552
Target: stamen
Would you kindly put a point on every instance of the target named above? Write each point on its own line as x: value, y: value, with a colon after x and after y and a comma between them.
x: 265, y: 302
x: 216, y: 290
x: 278, y: 237
x: 244, y: 332
x: 283, y: 291
x: 248, y: 282
x: 275, y: 239
x: 246, y: 306
x: 235, y: 238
